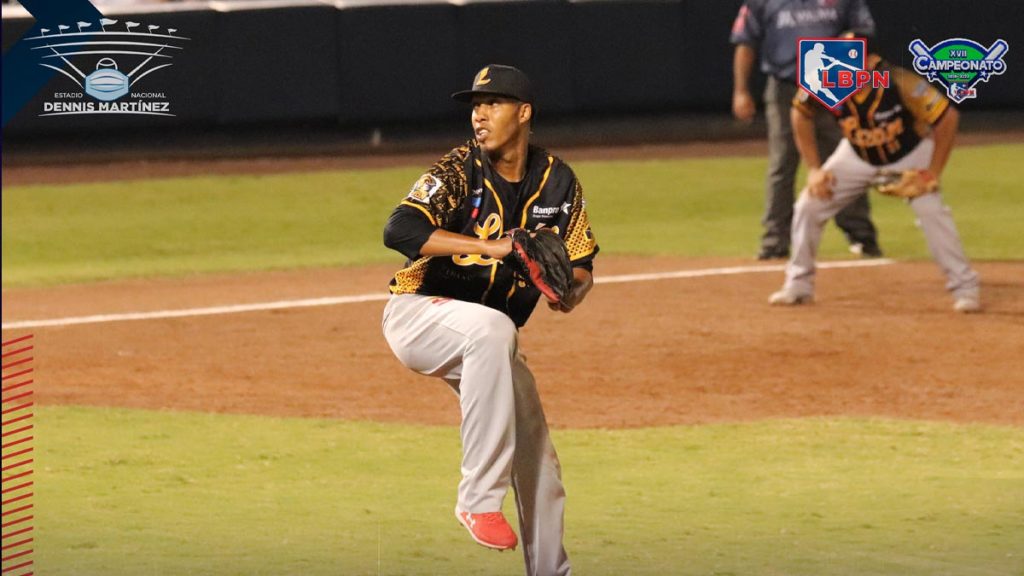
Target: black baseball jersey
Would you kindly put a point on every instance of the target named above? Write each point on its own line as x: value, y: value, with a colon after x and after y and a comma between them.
x: 885, y: 124
x: 463, y: 193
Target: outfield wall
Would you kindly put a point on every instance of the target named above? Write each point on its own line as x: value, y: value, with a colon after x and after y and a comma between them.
x: 357, y: 64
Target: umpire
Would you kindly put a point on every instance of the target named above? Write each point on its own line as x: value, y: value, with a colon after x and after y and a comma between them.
x: 772, y: 28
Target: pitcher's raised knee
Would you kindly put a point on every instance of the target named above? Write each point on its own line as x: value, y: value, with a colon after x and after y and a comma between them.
x: 495, y: 329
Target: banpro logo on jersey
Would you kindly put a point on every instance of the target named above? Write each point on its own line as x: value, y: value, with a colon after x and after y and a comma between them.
x: 832, y: 69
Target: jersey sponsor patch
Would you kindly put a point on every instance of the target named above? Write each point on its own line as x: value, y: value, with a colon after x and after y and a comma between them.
x: 546, y: 211
x: 425, y: 188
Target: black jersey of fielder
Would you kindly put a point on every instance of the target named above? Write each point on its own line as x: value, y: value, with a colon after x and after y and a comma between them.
x: 885, y: 124
x: 463, y: 193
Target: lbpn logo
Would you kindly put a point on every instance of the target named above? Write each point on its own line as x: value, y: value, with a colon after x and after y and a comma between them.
x: 106, y: 65
x: 832, y: 69
x: 959, y: 64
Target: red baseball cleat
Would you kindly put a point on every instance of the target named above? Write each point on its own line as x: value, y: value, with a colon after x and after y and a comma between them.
x: 490, y: 529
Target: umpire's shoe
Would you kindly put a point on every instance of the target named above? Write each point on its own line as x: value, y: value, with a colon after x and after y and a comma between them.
x: 490, y: 529
x: 773, y: 253
x: 868, y: 249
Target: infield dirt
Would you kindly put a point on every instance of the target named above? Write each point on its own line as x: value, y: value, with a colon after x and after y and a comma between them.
x: 880, y: 341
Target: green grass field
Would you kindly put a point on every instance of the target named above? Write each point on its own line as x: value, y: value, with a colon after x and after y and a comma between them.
x: 136, y: 492
x: 698, y: 207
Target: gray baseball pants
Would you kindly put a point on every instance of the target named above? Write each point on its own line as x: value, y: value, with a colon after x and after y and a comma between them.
x: 852, y: 178
x: 784, y: 159
x: 505, y: 438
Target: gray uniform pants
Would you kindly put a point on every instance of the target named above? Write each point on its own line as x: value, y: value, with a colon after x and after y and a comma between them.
x: 784, y: 159
x: 852, y: 177
x: 505, y: 437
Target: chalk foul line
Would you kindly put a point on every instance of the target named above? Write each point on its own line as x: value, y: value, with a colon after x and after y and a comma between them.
x: 359, y: 298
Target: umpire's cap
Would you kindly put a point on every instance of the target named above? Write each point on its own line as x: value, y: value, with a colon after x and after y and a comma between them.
x: 499, y: 80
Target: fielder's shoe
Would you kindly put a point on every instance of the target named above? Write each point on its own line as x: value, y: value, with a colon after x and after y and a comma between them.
x: 490, y: 529
x: 786, y: 298
x: 967, y: 305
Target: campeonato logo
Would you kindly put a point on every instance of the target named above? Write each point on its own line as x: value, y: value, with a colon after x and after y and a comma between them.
x: 959, y: 64
x: 832, y: 69
x: 107, y: 66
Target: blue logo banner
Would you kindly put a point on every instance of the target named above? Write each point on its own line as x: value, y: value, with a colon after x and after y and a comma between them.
x: 23, y: 77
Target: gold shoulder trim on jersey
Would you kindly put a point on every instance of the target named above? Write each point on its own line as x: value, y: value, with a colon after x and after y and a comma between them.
x: 409, y: 279
x: 543, y: 181
x: 579, y: 257
x: 579, y: 238
x: 421, y: 209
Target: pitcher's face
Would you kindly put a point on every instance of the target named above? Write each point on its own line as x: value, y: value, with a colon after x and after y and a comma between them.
x: 498, y: 121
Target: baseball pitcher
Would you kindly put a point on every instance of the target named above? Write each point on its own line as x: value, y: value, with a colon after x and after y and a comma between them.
x: 495, y: 224
x: 897, y: 139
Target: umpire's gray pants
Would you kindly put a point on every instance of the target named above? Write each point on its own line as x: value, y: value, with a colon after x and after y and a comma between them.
x: 505, y: 437
x: 852, y: 178
x: 783, y: 161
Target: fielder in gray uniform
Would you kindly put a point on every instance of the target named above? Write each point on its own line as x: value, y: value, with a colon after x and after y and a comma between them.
x: 908, y: 126
x: 771, y: 28
x: 457, y: 307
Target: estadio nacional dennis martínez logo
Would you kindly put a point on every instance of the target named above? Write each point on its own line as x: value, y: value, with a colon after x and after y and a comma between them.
x: 107, y: 66
x: 959, y: 64
x: 832, y: 69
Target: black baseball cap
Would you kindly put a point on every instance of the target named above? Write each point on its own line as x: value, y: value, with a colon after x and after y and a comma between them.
x: 499, y: 80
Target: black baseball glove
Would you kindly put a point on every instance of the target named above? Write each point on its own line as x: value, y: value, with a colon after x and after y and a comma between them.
x: 542, y: 259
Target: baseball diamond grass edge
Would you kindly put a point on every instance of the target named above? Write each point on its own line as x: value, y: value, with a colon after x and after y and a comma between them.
x: 684, y: 207
x: 155, y: 492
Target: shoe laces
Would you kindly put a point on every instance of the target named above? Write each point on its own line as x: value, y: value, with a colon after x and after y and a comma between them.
x: 486, y: 518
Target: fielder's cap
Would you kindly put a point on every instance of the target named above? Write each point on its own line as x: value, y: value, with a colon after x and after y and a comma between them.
x: 499, y: 80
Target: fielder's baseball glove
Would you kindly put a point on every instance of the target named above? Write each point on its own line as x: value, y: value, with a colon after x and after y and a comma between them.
x: 906, y: 183
x: 542, y: 259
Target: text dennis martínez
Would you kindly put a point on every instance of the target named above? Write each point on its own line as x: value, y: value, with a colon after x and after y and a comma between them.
x: 131, y: 106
